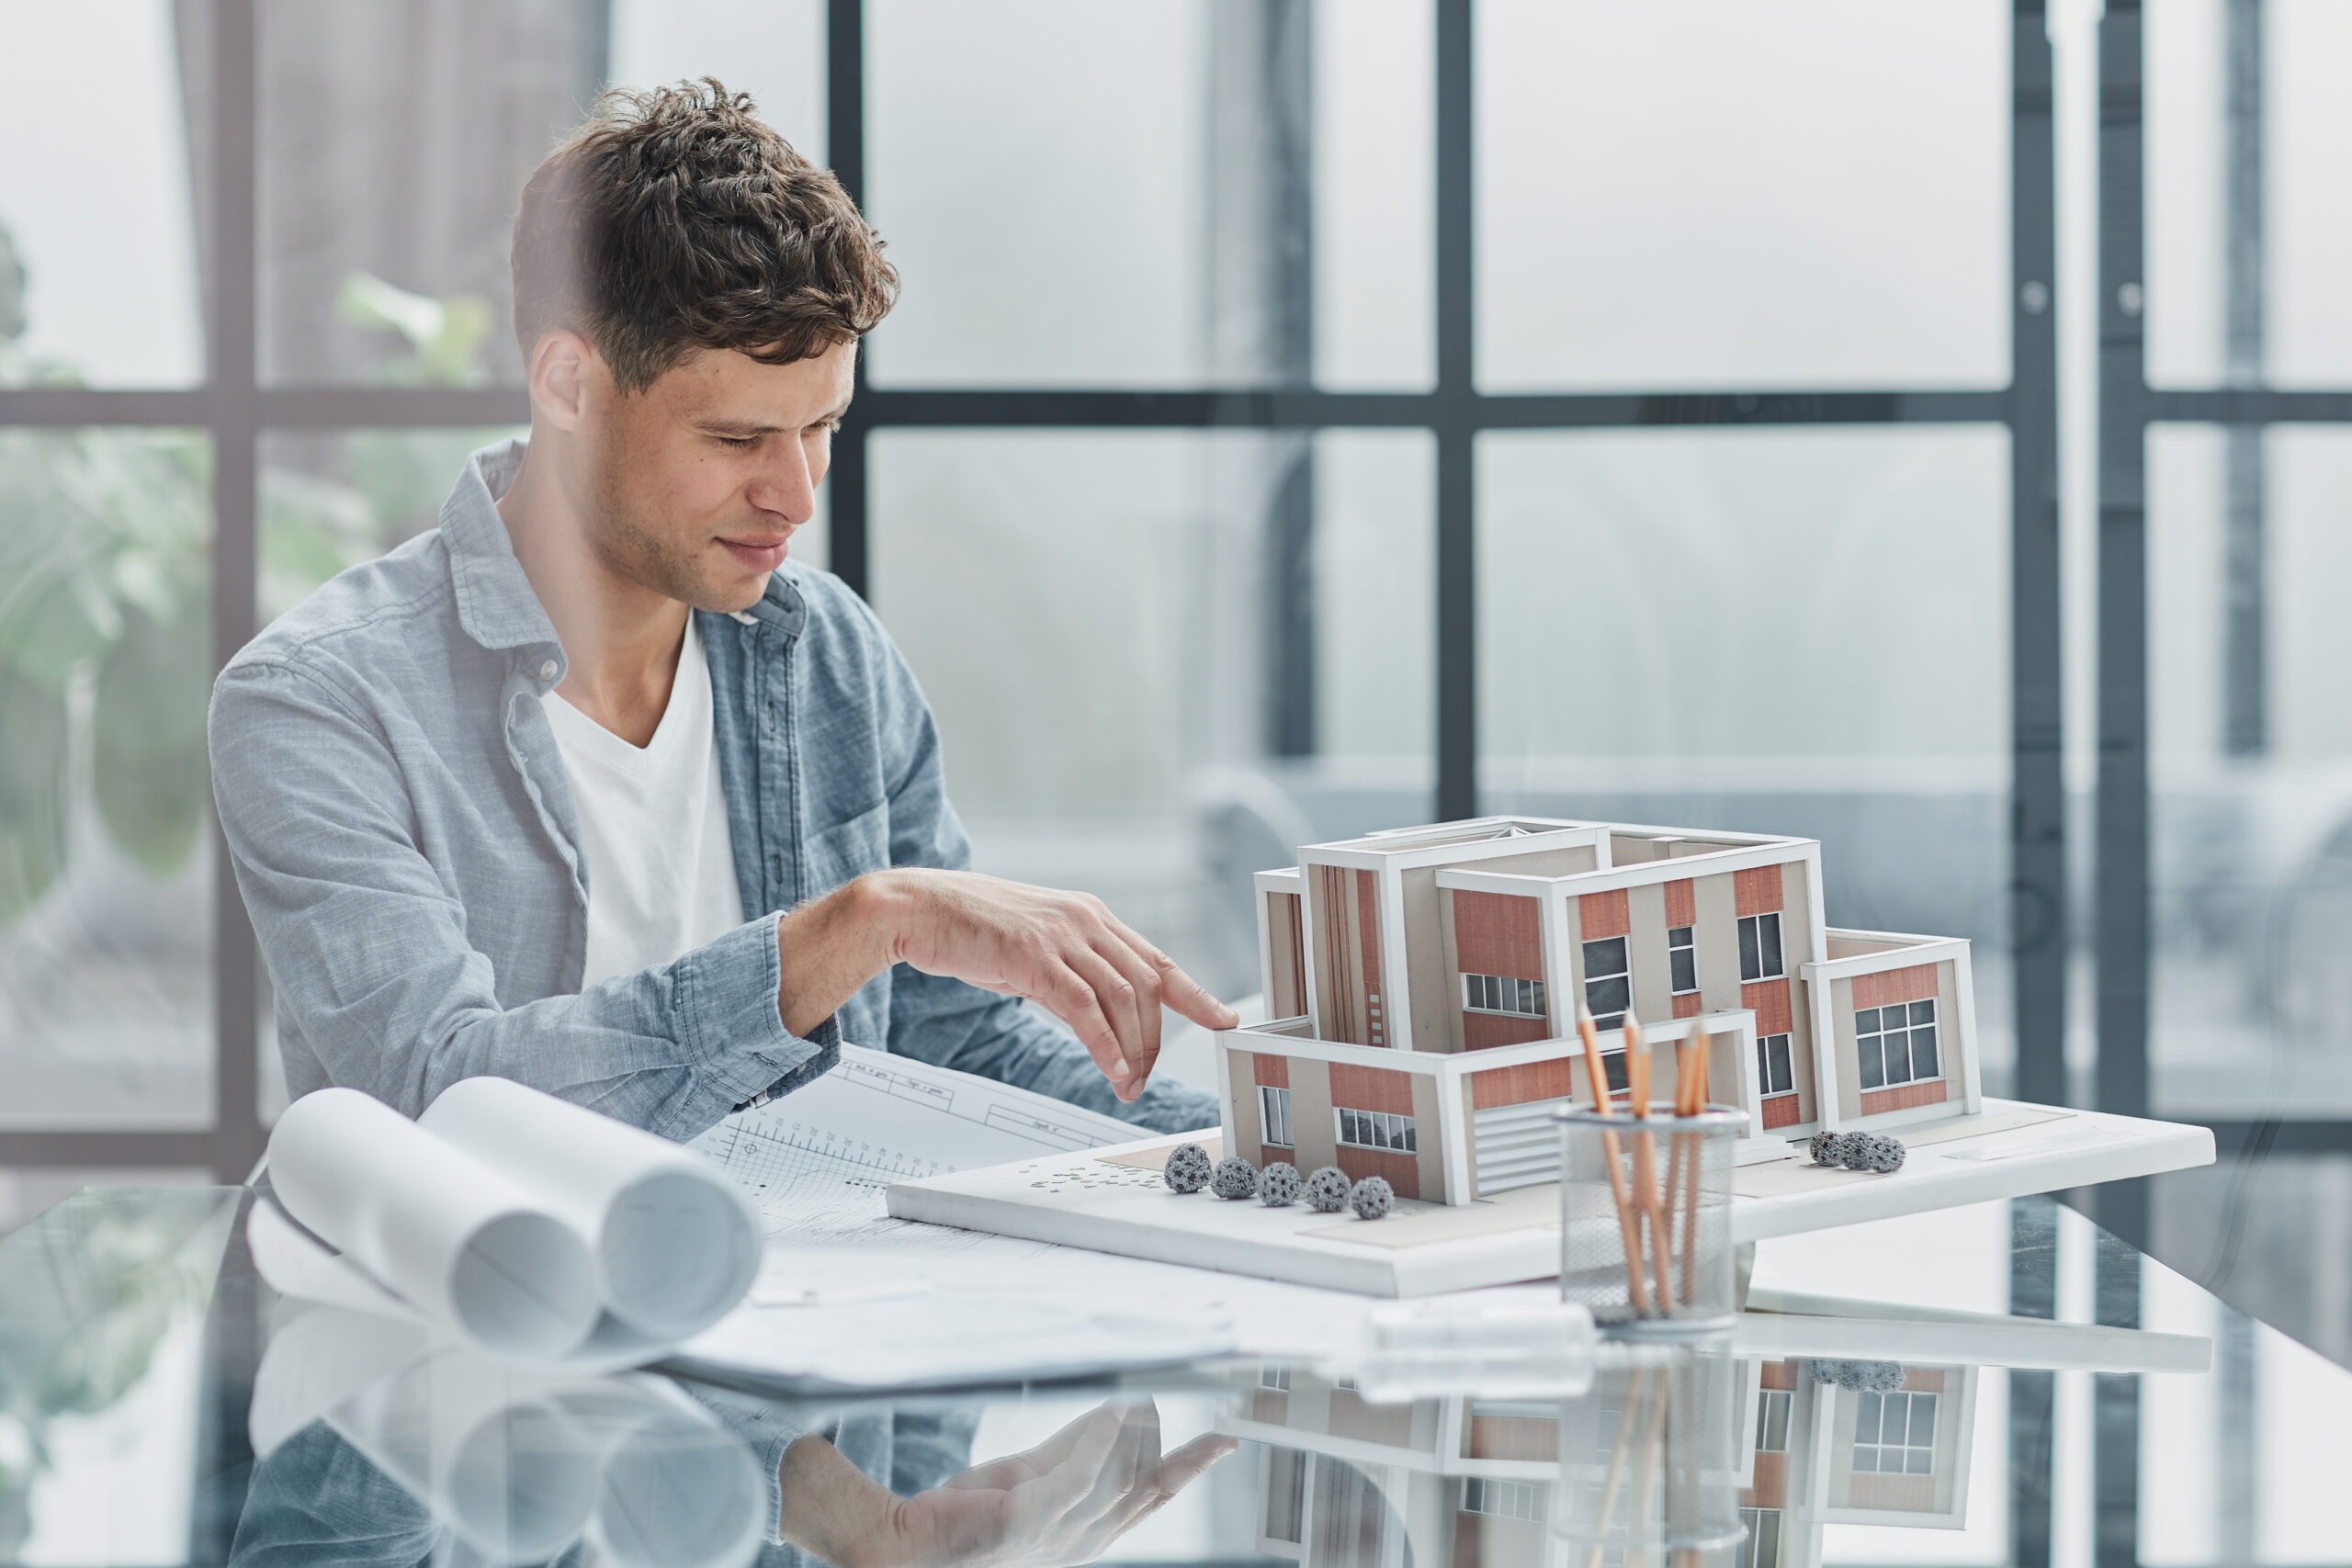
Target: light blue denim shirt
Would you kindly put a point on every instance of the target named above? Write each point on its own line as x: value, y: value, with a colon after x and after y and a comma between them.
x: 405, y: 836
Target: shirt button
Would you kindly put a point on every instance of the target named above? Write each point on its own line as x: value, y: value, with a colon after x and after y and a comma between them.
x: 546, y: 671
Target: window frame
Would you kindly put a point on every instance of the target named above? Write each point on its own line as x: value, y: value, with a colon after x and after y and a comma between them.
x: 1767, y: 1060
x: 1680, y: 956
x: 1911, y: 1398
x: 1395, y: 1127
x: 1609, y: 1017
x: 1772, y: 1409
x: 1869, y: 1046
x: 1273, y: 1109
x: 1504, y: 996
x: 1762, y: 956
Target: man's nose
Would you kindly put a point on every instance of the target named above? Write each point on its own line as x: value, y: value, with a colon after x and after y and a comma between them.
x: 784, y: 485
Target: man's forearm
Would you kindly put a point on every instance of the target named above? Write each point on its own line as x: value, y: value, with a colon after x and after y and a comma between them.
x: 830, y: 948
x: 830, y: 1509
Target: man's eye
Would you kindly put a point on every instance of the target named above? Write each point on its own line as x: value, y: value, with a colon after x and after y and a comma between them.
x: 825, y: 427
x: 740, y: 443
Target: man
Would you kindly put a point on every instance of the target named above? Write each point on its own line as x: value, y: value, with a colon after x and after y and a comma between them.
x: 589, y: 787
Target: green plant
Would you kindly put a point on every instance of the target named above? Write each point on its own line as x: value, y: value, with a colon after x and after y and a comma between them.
x: 106, y: 631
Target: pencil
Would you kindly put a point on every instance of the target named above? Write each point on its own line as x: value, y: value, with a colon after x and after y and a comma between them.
x: 1596, y: 1076
x: 1637, y: 1076
x: 1693, y: 1102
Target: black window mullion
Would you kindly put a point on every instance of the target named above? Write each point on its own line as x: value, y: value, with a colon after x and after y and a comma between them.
x: 236, y: 513
x: 2037, y: 895
x: 1457, y: 422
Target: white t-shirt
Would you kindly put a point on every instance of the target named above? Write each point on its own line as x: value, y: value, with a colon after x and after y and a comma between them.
x: 661, y: 863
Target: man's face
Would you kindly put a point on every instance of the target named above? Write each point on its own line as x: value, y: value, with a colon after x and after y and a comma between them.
x: 700, y: 480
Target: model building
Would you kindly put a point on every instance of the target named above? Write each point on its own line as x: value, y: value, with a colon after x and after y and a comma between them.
x: 1423, y: 987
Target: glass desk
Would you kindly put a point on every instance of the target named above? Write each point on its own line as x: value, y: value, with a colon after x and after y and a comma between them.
x: 1890, y: 1411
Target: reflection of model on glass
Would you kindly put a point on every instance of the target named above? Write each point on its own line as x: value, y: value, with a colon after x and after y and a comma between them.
x: 1424, y: 985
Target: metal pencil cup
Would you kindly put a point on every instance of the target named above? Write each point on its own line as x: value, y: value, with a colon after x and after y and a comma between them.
x: 1646, y: 1219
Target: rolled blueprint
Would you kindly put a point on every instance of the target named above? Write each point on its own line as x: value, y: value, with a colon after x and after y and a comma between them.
x: 677, y: 1242
x: 461, y: 1242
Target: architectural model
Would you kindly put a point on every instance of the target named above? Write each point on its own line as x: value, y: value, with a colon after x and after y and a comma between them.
x: 1424, y: 985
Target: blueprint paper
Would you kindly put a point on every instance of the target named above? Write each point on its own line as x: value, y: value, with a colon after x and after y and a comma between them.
x: 819, y: 1159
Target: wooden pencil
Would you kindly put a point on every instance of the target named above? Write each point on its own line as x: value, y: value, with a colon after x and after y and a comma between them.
x: 1614, y: 1481
x: 1645, y: 1174
x: 1596, y: 1077
x: 1693, y: 1102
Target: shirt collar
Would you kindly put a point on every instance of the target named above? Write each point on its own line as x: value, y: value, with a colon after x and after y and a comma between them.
x: 496, y: 603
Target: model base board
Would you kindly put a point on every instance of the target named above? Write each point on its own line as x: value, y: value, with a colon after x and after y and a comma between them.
x: 1111, y: 1199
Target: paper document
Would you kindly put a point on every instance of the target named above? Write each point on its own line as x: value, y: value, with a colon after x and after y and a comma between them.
x: 818, y: 1159
x: 941, y: 1341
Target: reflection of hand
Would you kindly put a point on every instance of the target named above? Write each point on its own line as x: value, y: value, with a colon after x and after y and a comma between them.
x: 1064, y: 1502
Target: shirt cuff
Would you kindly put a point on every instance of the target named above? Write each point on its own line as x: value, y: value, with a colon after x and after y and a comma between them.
x: 727, y: 1017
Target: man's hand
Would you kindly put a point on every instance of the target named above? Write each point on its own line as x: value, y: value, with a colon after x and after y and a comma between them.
x: 1062, y: 1503
x: 1065, y: 950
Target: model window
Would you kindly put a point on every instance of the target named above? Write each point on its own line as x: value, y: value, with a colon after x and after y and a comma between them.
x: 1273, y: 1115
x: 1772, y: 1421
x: 1762, y: 1547
x: 1759, y: 947
x: 1502, y: 994
x: 1377, y: 1130
x: 1897, y: 1043
x: 1895, y: 1434
x: 1608, y: 987
x: 1503, y: 1499
x: 1772, y: 1074
x: 1285, y: 1496
x: 1682, y: 958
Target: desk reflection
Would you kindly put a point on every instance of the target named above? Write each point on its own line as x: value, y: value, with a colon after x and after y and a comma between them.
x: 1741, y: 1453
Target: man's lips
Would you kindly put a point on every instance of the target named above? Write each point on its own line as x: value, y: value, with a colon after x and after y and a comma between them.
x: 760, y: 552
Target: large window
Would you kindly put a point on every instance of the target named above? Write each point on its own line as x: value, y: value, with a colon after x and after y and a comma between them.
x: 1897, y: 1043
x: 1760, y: 948
x: 1607, y: 981
x: 1376, y: 1130
x: 1895, y: 1434
x: 1500, y: 993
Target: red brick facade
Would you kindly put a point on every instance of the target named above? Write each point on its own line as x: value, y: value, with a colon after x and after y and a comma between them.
x: 1917, y: 984
x: 1402, y: 1171
x: 1904, y: 1097
x: 1518, y: 1085
x: 1757, y: 892
x: 1682, y: 903
x: 1372, y: 1088
x: 1604, y: 915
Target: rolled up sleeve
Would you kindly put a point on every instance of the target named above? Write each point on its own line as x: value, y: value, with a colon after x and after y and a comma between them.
x: 367, y: 939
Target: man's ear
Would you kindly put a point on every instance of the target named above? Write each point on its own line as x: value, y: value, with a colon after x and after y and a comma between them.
x: 562, y: 368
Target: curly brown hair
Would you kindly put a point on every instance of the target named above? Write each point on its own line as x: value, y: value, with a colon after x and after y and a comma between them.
x: 675, y: 220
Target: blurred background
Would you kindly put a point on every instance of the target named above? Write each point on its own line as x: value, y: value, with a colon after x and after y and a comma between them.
x: 1926, y: 427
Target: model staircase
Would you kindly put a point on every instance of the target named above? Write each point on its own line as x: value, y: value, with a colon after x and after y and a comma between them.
x: 1517, y: 1145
